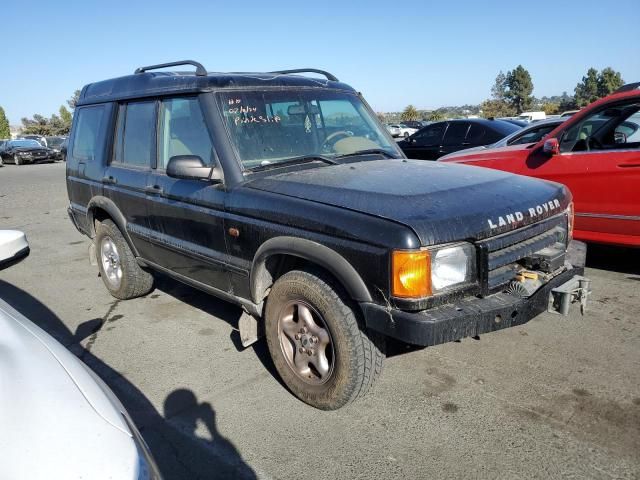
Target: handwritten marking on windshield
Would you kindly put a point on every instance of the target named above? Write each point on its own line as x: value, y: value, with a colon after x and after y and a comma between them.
x: 240, y: 120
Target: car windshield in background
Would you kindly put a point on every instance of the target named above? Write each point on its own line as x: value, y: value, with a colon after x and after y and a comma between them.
x: 25, y: 143
x: 268, y: 128
x: 55, y: 141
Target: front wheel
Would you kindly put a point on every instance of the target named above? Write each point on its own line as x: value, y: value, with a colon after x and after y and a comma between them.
x: 17, y: 160
x: 318, y: 343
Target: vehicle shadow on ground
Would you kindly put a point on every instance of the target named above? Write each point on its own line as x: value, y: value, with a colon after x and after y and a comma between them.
x: 171, y: 434
x: 616, y: 259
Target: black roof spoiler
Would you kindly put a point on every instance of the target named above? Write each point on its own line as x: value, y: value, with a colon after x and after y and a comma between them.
x: 628, y: 87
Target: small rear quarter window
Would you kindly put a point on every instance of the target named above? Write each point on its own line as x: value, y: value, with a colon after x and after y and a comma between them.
x: 89, y: 126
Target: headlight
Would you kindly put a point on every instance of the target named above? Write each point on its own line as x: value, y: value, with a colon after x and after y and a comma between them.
x: 421, y: 273
x: 452, y: 266
x: 24, y: 153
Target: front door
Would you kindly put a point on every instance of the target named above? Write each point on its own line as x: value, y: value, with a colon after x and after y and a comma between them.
x: 600, y: 163
x: 187, y: 216
x: 425, y: 144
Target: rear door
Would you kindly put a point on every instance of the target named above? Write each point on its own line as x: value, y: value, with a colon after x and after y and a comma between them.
x: 186, y: 215
x: 454, y: 138
x: 425, y: 144
x: 126, y: 177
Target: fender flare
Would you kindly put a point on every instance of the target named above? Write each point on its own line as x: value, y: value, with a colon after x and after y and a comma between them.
x: 314, y: 252
x: 116, y: 215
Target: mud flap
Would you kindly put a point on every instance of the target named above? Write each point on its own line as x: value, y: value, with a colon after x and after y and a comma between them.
x: 575, y: 290
x: 249, y: 329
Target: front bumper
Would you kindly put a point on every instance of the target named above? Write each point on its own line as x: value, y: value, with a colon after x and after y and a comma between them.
x: 467, y: 317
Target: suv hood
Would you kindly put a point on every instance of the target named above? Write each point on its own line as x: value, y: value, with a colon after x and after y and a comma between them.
x: 440, y: 202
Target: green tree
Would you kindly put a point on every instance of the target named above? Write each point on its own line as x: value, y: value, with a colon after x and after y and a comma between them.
x: 609, y: 81
x: 496, y: 109
x: 5, y: 132
x: 74, y: 100
x: 499, y: 89
x: 587, y: 90
x: 66, y: 118
x: 436, y: 116
x: 551, y: 108
x: 519, y: 89
x: 38, y: 125
x: 410, y: 113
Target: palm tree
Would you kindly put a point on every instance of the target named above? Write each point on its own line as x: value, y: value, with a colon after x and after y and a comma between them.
x: 410, y: 113
x: 436, y: 116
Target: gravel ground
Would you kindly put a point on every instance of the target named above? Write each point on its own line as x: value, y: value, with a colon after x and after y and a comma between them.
x: 555, y: 398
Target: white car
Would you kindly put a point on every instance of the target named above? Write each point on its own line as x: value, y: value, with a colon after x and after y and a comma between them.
x: 58, y: 419
x: 401, y: 130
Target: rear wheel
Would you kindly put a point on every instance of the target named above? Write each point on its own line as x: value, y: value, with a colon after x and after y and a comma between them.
x: 317, y: 341
x: 119, y: 270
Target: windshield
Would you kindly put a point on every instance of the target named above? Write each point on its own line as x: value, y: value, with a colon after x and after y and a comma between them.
x: 55, y: 141
x: 272, y: 127
x: 24, y: 143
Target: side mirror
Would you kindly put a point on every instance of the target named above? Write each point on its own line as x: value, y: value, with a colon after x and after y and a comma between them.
x: 13, y: 247
x: 619, y: 137
x: 191, y: 167
x: 551, y: 146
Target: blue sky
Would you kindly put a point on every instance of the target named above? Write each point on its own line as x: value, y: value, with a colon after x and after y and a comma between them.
x: 426, y: 53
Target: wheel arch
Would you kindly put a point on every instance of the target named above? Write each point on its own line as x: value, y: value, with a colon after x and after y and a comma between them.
x: 263, y: 274
x: 102, y: 208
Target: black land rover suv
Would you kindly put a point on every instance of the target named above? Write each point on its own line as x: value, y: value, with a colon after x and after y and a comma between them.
x: 284, y: 194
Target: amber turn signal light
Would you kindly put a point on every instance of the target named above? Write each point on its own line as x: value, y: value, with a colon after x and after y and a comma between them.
x: 571, y: 219
x: 411, y: 274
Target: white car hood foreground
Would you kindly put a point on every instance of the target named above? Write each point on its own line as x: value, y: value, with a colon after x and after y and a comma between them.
x: 56, y: 420
x: 12, y: 243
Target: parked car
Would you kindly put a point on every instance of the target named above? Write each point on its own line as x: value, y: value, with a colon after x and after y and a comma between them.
x: 2, y: 142
x: 415, y: 124
x: 23, y: 151
x: 401, y: 130
x: 441, y: 138
x: 293, y: 201
x: 530, y: 134
x: 63, y: 149
x: 51, y: 402
x: 393, y: 129
x: 38, y: 138
x: 55, y: 144
x: 532, y: 116
x: 596, y: 153
x: 515, y: 121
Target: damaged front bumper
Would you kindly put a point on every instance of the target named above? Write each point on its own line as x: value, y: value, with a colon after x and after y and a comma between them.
x: 473, y: 316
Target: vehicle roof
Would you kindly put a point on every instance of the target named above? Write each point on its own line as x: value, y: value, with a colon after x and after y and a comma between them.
x: 499, y: 125
x: 152, y: 84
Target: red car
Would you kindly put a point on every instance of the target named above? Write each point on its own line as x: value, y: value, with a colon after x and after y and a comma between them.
x: 596, y: 153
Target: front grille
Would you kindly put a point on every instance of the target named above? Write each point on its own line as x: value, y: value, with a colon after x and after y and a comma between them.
x: 501, y: 256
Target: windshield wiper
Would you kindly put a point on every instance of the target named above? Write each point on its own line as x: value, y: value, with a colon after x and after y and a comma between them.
x: 370, y: 151
x: 295, y: 160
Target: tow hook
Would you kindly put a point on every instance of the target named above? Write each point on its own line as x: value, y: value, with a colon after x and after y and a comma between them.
x: 575, y: 290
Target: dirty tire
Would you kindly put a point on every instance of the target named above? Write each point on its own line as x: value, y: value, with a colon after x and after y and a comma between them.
x: 135, y: 282
x: 357, y: 355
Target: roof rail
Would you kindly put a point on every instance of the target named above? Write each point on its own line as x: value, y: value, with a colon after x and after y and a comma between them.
x: 200, y: 70
x: 329, y: 76
x: 628, y: 87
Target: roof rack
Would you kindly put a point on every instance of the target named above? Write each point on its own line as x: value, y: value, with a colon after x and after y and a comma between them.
x: 329, y: 76
x: 200, y: 70
x: 628, y: 87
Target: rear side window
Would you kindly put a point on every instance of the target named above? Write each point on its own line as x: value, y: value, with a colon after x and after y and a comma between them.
x: 456, y: 133
x: 476, y: 133
x: 88, y: 128
x: 137, y: 131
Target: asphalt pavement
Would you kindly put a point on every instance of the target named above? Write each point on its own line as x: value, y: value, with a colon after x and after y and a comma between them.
x: 555, y: 398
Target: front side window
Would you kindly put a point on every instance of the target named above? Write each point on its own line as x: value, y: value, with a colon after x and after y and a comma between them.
x: 88, y: 127
x: 614, y: 127
x: 476, y: 134
x: 138, y: 134
x: 272, y: 127
x: 533, y: 136
x: 183, y: 131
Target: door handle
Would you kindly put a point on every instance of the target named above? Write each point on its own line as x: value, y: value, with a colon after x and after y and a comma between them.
x: 109, y: 180
x: 629, y: 165
x: 154, y: 190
